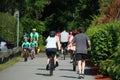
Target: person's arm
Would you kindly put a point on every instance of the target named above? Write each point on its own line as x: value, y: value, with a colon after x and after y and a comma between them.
x: 22, y: 45
x: 30, y: 36
x: 37, y: 37
x: 89, y: 45
x: 58, y: 45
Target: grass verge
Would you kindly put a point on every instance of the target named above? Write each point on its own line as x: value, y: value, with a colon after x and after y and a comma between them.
x: 9, y: 63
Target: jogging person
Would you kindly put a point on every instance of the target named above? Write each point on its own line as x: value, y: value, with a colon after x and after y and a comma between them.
x: 34, y: 36
x: 51, y: 48
x: 64, y: 36
x: 83, y: 44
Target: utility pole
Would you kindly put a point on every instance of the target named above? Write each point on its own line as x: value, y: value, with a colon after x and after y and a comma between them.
x: 16, y: 14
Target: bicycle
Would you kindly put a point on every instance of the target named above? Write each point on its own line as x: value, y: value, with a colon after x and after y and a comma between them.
x: 74, y: 62
x: 26, y: 54
x: 51, y: 64
x: 32, y: 53
x: 64, y: 52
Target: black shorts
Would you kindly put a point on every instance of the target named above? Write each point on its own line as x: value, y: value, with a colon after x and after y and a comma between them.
x: 27, y: 49
x: 64, y: 44
x: 50, y: 52
x: 80, y: 56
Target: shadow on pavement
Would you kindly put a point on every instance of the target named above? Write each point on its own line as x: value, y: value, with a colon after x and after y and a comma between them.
x: 69, y: 76
x: 41, y: 69
x: 42, y: 74
x: 66, y: 69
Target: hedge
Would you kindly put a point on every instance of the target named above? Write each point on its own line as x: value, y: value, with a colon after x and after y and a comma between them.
x: 105, y: 39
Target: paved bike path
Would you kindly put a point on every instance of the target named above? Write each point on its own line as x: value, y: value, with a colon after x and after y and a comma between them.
x: 35, y: 70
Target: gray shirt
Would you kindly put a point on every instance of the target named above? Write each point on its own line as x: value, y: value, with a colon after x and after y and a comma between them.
x: 81, y: 40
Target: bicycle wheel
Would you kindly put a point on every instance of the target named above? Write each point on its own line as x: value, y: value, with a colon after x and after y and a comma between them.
x: 51, y: 66
x: 64, y: 54
x: 74, y: 63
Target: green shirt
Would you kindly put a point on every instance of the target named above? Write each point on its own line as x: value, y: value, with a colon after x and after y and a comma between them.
x: 34, y: 35
x: 26, y: 45
x: 33, y: 44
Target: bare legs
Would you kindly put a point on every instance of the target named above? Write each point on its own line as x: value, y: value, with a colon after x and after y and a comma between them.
x: 81, y: 66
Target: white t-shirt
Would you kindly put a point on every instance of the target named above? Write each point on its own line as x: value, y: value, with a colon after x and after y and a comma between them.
x: 51, y: 42
x: 64, y: 36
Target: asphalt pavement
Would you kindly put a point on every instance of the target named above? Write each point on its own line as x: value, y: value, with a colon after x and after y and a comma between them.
x: 36, y: 70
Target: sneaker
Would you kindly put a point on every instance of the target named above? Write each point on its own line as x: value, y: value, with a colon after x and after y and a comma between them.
x: 71, y: 61
x: 81, y: 76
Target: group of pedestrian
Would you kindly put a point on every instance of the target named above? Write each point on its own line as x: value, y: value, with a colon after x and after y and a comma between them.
x: 30, y: 44
x: 77, y: 43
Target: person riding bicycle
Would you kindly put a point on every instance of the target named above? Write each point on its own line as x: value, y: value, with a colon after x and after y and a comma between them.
x: 64, y: 36
x: 26, y: 49
x: 71, y: 48
x: 34, y: 36
x: 33, y: 45
x: 51, y: 48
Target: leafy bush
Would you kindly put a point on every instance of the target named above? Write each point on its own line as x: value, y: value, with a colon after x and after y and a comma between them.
x: 112, y: 66
x: 8, y: 27
x: 104, y: 40
x: 105, y: 48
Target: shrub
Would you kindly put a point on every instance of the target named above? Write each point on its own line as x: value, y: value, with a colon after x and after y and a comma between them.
x: 8, y: 27
x: 105, y: 45
x: 104, y: 38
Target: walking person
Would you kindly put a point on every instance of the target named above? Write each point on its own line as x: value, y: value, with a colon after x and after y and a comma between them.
x: 83, y: 45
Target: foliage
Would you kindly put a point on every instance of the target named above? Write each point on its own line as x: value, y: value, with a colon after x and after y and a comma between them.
x: 104, y: 5
x: 70, y: 13
x: 8, y: 27
x: 112, y: 66
x: 104, y: 40
x: 105, y: 45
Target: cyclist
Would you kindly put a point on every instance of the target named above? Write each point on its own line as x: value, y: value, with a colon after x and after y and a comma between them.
x: 33, y: 45
x: 34, y: 36
x: 51, y: 48
x: 26, y: 35
x: 26, y: 49
x: 71, y: 48
x: 64, y: 36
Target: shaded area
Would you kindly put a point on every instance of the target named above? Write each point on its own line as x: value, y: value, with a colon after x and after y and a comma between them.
x: 42, y: 74
x: 69, y: 76
x: 93, y: 70
x: 66, y: 69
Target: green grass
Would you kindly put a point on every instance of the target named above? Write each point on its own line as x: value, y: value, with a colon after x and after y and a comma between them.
x: 9, y: 63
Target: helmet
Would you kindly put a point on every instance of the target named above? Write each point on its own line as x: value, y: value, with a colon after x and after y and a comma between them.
x: 52, y: 33
x: 33, y: 29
